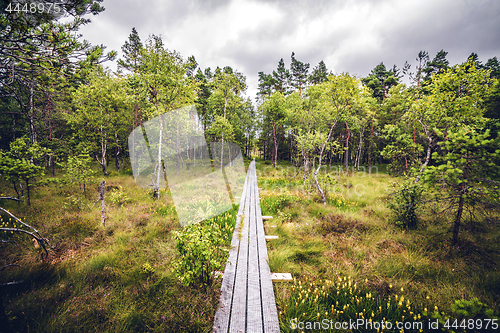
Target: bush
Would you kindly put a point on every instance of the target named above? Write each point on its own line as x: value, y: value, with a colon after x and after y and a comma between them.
x: 405, y: 202
x: 472, y: 309
x: 202, y: 248
x: 118, y: 197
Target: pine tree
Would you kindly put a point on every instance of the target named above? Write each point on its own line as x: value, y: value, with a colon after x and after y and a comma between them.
x: 319, y: 74
x: 131, y: 52
x: 381, y: 80
x: 299, y: 72
x: 438, y: 65
x: 266, y: 83
x: 281, y: 79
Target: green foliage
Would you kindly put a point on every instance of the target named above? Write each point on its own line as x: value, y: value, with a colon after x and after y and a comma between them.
x: 272, y: 203
x: 118, y: 197
x: 162, y: 81
x: 473, y: 309
x: 401, y: 150
x: 381, y: 80
x: 72, y: 202
x: 20, y: 165
x: 202, y: 249
x: 221, y: 127
x: 405, y: 202
x: 78, y: 169
x: 467, y: 171
x: 100, y: 115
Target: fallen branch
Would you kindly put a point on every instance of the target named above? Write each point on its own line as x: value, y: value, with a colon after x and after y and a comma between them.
x: 9, y: 265
x: 11, y: 198
x: 35, y: 234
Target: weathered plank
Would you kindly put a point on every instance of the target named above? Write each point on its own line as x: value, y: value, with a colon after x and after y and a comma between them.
x: 279, y: 277
x: 239, y: 303
x: 269, y: 311
x: 254, y: 306
x: 247, y: 300
x: 221, y: 321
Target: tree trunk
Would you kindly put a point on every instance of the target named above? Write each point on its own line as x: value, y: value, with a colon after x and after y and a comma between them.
x: 51, y: 165
x: 103, y: 207
x: 275, y: 146
x: 133, y: 136
x: 346, y: 161
x: 306, y: 169
x: 427, y: 157
x: 28, y: 197
x: 320, y: 159
x: 456, y: 225
x: 370, y: 152
x: 31, y: 117
x: 117, y: 153
x: 222, y: 145
x: 264, y: 152
x: 177, y: 147
x: 321, y: 192
x: 358, y: 157
x: 104, y: 147
x: 159, y: 166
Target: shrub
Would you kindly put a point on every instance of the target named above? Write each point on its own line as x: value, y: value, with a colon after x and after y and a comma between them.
x: 405, y: 202
x: 202, y: 248
x: 118, y: 197
x: 472, y: 309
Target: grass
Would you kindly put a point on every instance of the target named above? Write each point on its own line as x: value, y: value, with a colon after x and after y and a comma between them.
x: 119, y: 277
x: 354, y: 236
x: 112, y: 278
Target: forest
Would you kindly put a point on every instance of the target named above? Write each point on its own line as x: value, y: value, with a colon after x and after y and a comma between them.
x: 354, y: 169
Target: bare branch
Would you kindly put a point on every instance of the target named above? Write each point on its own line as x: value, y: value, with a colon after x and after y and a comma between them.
x: 11, y: 283
x: 11, y: 198
x: 9, y: 265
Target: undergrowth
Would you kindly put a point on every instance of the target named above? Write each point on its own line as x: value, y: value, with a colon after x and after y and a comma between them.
x: 356, y: 235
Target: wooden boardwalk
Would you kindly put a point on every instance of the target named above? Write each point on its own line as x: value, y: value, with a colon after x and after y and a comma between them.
x: 247, y: 302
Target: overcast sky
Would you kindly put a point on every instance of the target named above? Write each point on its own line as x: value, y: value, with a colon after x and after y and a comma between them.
x: 349, y: 36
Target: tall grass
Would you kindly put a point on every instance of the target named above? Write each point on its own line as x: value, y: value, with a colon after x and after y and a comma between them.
x: 112, y: 278
x: 355, y: 235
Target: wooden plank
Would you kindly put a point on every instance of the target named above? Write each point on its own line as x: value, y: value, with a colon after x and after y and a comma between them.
x: 269, y: 311
x: 222, y: 316
x: 267, y: 217
x: 254, y: 306
x: 247, y: 300
x: 270, y: 237
x: 280, y: 277
x: 239, y: 302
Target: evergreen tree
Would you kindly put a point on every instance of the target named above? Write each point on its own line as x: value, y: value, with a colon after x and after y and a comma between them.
x: 319, y: 73
x: 131, y: 52
x: 380, y: 80
x: 299, y: 71
x: 468, y: 172
x: 266, y: 83
x: 494, y: 66
x: 438, y: 65
x: 475, y: 58
x: 281, y: 79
